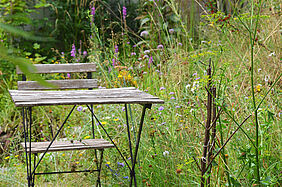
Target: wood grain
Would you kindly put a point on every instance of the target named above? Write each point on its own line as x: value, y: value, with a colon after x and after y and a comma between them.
x: 39, y: 147
x: 63, y: 68
x: 79, y: 97
x: 60, y: 84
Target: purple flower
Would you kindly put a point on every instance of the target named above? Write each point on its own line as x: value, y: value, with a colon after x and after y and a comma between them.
x: 84, y: 54
x: 92, y: 13
x: 133, y: 54
x: 171, y: 31
x: 125, y: 177
x: 161, y: 108
x: 146, y: 56
x: 172, y: 98
x: 195, y: 74
x: 160, y: 46
x: 120, y: 164
x: 162, y: 88
x: 150, y: 60
x: 128, y: 42
x: 197, y: 78
x: 144, y: 33
x: 180, y: 44
x: 124, y: 12
x: 73, y: 51
x: 68, y: 75
x: 171, y: 93
x: 134, y: 45
x: 178, y: 106
x: 79, y: 108
x: 114, y: 62
x: 116, y: 48
x: 147, y: 51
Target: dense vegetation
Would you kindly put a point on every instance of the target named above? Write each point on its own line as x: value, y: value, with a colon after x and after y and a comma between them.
x: 163, y: 49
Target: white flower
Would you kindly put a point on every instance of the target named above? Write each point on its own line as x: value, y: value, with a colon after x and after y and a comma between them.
x: 272, y: 54
x: 165, y: 153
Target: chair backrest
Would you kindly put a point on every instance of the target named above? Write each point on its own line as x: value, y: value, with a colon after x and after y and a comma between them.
x: 61, y: 84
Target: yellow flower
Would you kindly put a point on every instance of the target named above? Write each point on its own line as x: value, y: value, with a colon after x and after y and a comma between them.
x: 16, y: 156
x: 26, y: 57
x: 7, y: 157
x: 116, y: 119
x: 77, y: 162
x: 258, y: 88
x: 31, y: 59
x: 52, y: 61
x: 108, y: 163
x: 103, y: 123
x: 80, y: 155
x: 68, y: 127
x: 86, y: 137
x: 181, y: 121
x: 129, y: 76
x: 56, y: 62
x: 63, y: 57
x: 119, y: 76
x: 63, y: 154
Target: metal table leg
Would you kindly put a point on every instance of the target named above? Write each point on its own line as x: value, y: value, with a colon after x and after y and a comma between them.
x: 133, y: 159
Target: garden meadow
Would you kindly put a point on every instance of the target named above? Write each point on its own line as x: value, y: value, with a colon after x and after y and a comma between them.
x: 216, y: 64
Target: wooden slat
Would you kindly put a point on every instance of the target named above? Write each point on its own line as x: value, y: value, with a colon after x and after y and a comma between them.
x: 63, y: 68
x: 39, y: 147
x: 80, y: 97
x: 60, y: 84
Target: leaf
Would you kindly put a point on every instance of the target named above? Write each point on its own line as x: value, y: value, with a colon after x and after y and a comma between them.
x: 23, y: 34
x: 36, y: 46
x: 25, y: 66
x: 143, y: 21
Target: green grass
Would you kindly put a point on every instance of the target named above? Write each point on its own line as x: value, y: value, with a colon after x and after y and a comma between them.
x: 173, y: 136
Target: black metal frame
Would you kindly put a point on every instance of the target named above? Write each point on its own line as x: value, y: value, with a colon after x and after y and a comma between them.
x: 31, y: 172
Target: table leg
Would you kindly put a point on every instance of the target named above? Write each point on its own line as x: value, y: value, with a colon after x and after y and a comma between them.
x: 25, y: 126
x: 137, y: 143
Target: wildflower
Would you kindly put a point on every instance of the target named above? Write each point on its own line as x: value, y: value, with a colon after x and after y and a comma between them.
x: 80, y: 155
x: 162, y: 88
x: 133, y: 54
x: 86, y: 137
x: 171, y: 93
x: 144, y: 33
x: 114, y: 62
x: 259, y: 70
x: 178, y: 171
x: 73, y: 51
x: 161, y: 108
x: 258, y: 88
x: 272, y: 54
x: 68, y: 75
x: 146, y: 56
x: 92, y: 13
x: 171, y: 31
x: 165, y: 153
x: 120, y: 164
x: 119, y: 76
x: 63, y: 154
x: 108, y: 163
x: 180, y: 44
x: 79, y: 108
x: 16, y: 156
x: 84, y: 54
x: 77, y: 162
x: 146, y: 51
x: 150, y: 60
x: 103, y: 122
x: 197, y: 78
x: 195, y: 74
x: 116, y: 48
x: 172, y: 98
x: 160, y: 46
x: 7, y: 157
x: 124, y: 12
x: 116, y: 119
x: 134, y: 46
x: 125, y: 177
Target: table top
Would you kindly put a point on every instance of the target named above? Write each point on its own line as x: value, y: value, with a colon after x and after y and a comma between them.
x: 129, y: 95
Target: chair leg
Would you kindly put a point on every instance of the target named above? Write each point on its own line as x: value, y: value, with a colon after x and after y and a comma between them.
x: 98, y: 183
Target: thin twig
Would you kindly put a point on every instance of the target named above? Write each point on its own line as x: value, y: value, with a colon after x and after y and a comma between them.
x: 197, y: 163
x: 228, y: 140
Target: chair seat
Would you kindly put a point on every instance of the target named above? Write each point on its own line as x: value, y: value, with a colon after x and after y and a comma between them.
x: 40, y: 147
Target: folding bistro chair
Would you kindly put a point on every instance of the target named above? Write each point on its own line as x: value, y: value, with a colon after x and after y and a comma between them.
x: 53, y: 146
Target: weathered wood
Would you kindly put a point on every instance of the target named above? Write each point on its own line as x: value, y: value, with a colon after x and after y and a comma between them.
x: 63, y: 68
x: 80, y: 97
x: 39, y: 147
x: 60, y: 84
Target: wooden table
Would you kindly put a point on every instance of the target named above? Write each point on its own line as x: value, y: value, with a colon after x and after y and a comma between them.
x: 28, y: 99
